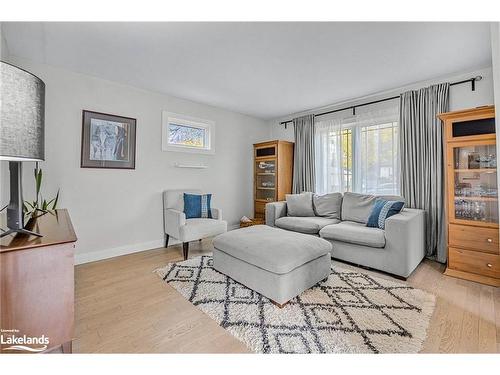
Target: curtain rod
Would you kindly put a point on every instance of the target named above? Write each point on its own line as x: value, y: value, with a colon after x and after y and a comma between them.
x: 353, y: 107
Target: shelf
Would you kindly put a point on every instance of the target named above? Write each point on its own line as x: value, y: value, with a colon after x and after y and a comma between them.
x: 478, y: 222
x: 473, y: 223
x: 482, y: 199
x: 264, y: 158
x: 266, y: 174
x: 190, y: 166
x: 478, y: 170
x: 264, y: 200
x: 265, y: 188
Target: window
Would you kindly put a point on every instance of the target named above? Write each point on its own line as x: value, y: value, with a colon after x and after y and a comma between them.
x: 378, y: 159
x: 187, y: 134
x: 358, y: 154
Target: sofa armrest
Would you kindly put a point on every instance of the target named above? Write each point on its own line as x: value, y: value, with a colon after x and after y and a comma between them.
x: 216, y: 213
x: 174, y: 219
x: 405, y: 233
x: 274, y: 211
x: 405, y: 218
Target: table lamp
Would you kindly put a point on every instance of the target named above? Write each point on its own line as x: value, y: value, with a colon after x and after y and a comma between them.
x: 22, y: 111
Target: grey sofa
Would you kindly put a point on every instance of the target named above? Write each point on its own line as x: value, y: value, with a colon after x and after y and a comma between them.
x: 398, y: 249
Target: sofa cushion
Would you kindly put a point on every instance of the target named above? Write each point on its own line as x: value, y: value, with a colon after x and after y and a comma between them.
x: 309, y: 225
x: 357, y: 207
x: 356, y: 233
x: 328, y: 205
x: 397, y: 198
x: 272, y: 249
x: 299, y: 204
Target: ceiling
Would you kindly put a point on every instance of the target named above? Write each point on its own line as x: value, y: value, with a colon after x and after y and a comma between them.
x: 266, y: 70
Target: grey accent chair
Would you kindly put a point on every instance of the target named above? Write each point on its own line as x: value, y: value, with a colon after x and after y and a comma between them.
x: 185, y: 230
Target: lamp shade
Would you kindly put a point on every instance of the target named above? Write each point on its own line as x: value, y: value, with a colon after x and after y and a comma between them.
x: 22, y: 113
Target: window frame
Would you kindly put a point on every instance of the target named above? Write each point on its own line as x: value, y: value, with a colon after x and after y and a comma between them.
x: 192, y: 122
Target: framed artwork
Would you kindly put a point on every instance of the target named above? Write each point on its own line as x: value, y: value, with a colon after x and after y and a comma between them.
x: 108, y: 141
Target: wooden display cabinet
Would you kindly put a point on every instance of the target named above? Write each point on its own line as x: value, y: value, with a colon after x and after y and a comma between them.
x: 273, y: 169
x: 472, y: 195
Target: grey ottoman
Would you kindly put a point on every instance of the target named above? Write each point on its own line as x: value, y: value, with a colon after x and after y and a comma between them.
x: 276, y: 263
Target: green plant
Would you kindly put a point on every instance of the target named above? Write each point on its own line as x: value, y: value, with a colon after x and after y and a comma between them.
x: 40, y: 204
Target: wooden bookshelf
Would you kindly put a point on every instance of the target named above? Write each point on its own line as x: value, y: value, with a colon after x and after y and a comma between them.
x: 273, y: 169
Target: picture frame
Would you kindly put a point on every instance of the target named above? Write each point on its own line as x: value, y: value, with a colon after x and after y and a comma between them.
x: 108, y: 141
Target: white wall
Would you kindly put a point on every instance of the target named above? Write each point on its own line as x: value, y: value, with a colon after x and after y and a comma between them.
x: 495, y: 53
x: 4, y: 51
x: 461, y: 97
x: 495, y: 57
x: 120, y: 211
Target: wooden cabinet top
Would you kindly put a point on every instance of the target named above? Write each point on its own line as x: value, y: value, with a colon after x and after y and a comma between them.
x: 484, y: 111
x: 55, y: 226
x: 269, y: 143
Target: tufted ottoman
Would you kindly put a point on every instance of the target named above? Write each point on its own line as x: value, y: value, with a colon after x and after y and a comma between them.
x: 276, y: 263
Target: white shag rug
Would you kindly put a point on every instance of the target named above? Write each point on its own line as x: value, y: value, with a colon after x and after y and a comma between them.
x: 351, y: 312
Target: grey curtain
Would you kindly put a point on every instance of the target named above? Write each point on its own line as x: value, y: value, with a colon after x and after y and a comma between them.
x: 422, y: 160
x: 303, y: 156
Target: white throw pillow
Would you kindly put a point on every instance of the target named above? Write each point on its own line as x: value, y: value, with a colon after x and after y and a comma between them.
x: 299, y: 204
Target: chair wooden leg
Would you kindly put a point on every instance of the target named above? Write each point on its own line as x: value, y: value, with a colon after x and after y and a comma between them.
x: 185, y: 249
x: 166, y: 240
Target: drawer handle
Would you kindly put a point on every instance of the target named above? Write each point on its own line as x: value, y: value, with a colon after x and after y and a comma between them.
x: 489, y: 240
x: 489, y: 265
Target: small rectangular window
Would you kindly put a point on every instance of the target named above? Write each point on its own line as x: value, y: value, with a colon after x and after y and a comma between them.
x: 187, y: 134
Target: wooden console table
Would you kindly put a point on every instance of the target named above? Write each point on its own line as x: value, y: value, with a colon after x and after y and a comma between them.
x: 37, y: 283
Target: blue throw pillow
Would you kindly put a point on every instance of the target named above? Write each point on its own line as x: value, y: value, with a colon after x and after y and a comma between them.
x: 197, y: 206
x: 382, y: 209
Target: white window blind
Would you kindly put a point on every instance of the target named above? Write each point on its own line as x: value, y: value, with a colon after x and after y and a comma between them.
x: 358, y: 153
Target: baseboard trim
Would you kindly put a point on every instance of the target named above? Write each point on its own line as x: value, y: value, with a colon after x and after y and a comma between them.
x: 94, y: 256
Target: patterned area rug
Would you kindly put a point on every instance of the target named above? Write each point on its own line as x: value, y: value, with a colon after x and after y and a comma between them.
x: 351, y: 312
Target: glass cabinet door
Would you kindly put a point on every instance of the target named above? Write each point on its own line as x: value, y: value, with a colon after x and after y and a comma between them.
x: 265, y: 180
x: 475, y: 191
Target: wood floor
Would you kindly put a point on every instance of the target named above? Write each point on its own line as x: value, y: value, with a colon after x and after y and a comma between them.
x: 123, y: 307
